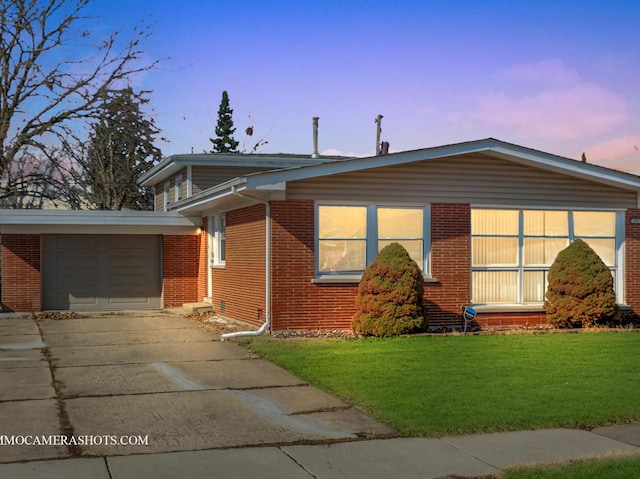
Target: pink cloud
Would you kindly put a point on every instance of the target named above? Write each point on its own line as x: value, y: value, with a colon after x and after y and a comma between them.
x: 622, y: 153
x: 545, y: 72
x: 572, y: 112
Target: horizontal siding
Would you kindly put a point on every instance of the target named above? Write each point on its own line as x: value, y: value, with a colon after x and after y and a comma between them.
x: 159, y: 198
x: 474, y: 179
x: 205, y: 177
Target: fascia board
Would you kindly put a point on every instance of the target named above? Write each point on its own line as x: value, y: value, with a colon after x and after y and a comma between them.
x: 65, y: 218
x: 104, y: 229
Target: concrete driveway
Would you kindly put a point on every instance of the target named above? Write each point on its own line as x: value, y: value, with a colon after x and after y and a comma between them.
x: 131, y: 384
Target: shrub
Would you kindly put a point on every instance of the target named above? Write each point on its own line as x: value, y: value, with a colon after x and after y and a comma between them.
x: 389, y: 300
x: 580, y: 291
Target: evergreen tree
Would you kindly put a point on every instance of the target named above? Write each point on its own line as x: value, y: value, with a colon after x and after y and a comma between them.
x: 390, y: 295
x: 224, y: 141
x: 580, y: 291
x: 121, y: 148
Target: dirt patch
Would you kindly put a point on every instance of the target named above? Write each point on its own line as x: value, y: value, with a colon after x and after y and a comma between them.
x: 216, y: 324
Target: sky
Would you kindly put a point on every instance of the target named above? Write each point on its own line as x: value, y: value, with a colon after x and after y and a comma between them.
x: 558, y: 76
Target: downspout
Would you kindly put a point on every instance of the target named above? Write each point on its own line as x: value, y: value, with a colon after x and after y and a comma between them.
x: 267, y: 309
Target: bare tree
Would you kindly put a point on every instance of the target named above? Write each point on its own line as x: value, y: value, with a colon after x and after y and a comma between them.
x: 49, y: 84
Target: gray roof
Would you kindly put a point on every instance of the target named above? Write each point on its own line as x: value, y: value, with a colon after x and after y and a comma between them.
x: 272, y: 161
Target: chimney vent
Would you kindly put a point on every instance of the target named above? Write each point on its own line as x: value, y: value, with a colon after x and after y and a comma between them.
x: 378, y: 121
x: 315, y: 138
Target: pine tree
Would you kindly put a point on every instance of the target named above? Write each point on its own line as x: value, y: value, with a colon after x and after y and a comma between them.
x: 121, y: 148
x: 224, y: 141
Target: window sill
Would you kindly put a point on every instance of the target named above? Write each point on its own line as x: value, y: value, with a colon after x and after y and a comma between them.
x: 509, y: 308
x: 218, y: 266
x: 350, y: 278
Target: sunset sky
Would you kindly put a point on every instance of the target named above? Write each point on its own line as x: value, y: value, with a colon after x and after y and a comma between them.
x: 558, y: 76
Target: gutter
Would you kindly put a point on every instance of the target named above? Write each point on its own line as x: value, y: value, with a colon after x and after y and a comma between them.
x: 267, y: 309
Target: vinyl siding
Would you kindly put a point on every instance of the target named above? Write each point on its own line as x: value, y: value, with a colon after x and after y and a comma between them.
x: 205, y: 177
x: 472, y: 179
x: 159, y: 198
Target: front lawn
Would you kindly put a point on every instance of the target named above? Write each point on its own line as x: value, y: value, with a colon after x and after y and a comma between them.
x: 451, y: 385
x: 611, y: 468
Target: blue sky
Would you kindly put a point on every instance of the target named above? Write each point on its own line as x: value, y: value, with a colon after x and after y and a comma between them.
x: 559, y: 76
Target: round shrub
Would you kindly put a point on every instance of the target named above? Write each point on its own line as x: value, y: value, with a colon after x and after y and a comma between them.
x: 580, y: 291
x: 389, y: 300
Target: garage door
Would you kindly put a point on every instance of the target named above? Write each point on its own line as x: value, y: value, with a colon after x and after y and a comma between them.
x: 101, y: 272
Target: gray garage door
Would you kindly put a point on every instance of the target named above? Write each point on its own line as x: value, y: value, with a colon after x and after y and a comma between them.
x: 101, y: 272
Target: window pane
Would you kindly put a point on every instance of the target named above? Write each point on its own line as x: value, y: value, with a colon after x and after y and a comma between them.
x: 413, y: 247
x: 342, y: 221
x: 542, y: 251
x: 222, y: 237
x: 494, y: 251
x: 605, y: 248
x: 494, y: 286
x: 545, y: 223
x: 399, y: 223
x: 534, y: 287
x: 494, y: 222
x: 594, y: 223
x: 342, y: 255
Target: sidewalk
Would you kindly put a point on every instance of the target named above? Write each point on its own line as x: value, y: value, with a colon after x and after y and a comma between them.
x: 406, y: 458
x: 211, y: 409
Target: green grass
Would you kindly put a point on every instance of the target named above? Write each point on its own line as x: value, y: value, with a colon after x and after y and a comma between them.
x: 610, y: 468
x: 449, y: 385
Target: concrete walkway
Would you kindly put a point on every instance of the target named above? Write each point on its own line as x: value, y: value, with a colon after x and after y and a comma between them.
x: 158, y: 396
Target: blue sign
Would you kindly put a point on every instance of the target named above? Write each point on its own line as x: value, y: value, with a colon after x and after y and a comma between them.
x: 469, y: 314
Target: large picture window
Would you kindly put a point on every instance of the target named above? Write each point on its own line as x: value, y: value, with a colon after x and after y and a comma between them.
x: 512, y: 250
x: 349, y: 237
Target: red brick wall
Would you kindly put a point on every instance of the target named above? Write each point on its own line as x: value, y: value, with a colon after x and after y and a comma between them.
x: 21, y: 279
x: 180, y: 264
x: 450, y: 264
x: 296, y: 302
x: 632, y: 263
x: 240, y: 284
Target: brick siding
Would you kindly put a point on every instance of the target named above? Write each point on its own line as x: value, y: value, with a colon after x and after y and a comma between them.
x: 632, y: 264
x: 450, y: 264
x: 21, y: 274
x: 180, y: 265
x: 240, y: 284
x: 297, y: 303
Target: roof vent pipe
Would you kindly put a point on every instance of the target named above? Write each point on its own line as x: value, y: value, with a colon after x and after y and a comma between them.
x: 378, y: 121
x: 384, y: 148
x: 315, y: 138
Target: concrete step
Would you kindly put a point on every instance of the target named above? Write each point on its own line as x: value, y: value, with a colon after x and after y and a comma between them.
x: 191, y: 308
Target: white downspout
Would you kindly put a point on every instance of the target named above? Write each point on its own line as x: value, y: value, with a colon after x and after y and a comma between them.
x: 267, y: 310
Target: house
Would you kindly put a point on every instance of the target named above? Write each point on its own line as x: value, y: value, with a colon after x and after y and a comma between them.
x: 286, y: 238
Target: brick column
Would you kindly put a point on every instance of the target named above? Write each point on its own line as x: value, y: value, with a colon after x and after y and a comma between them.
x: 632, y: 262
x: 180, y: 266
x: 450, y: 264
x: 21, y: 274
